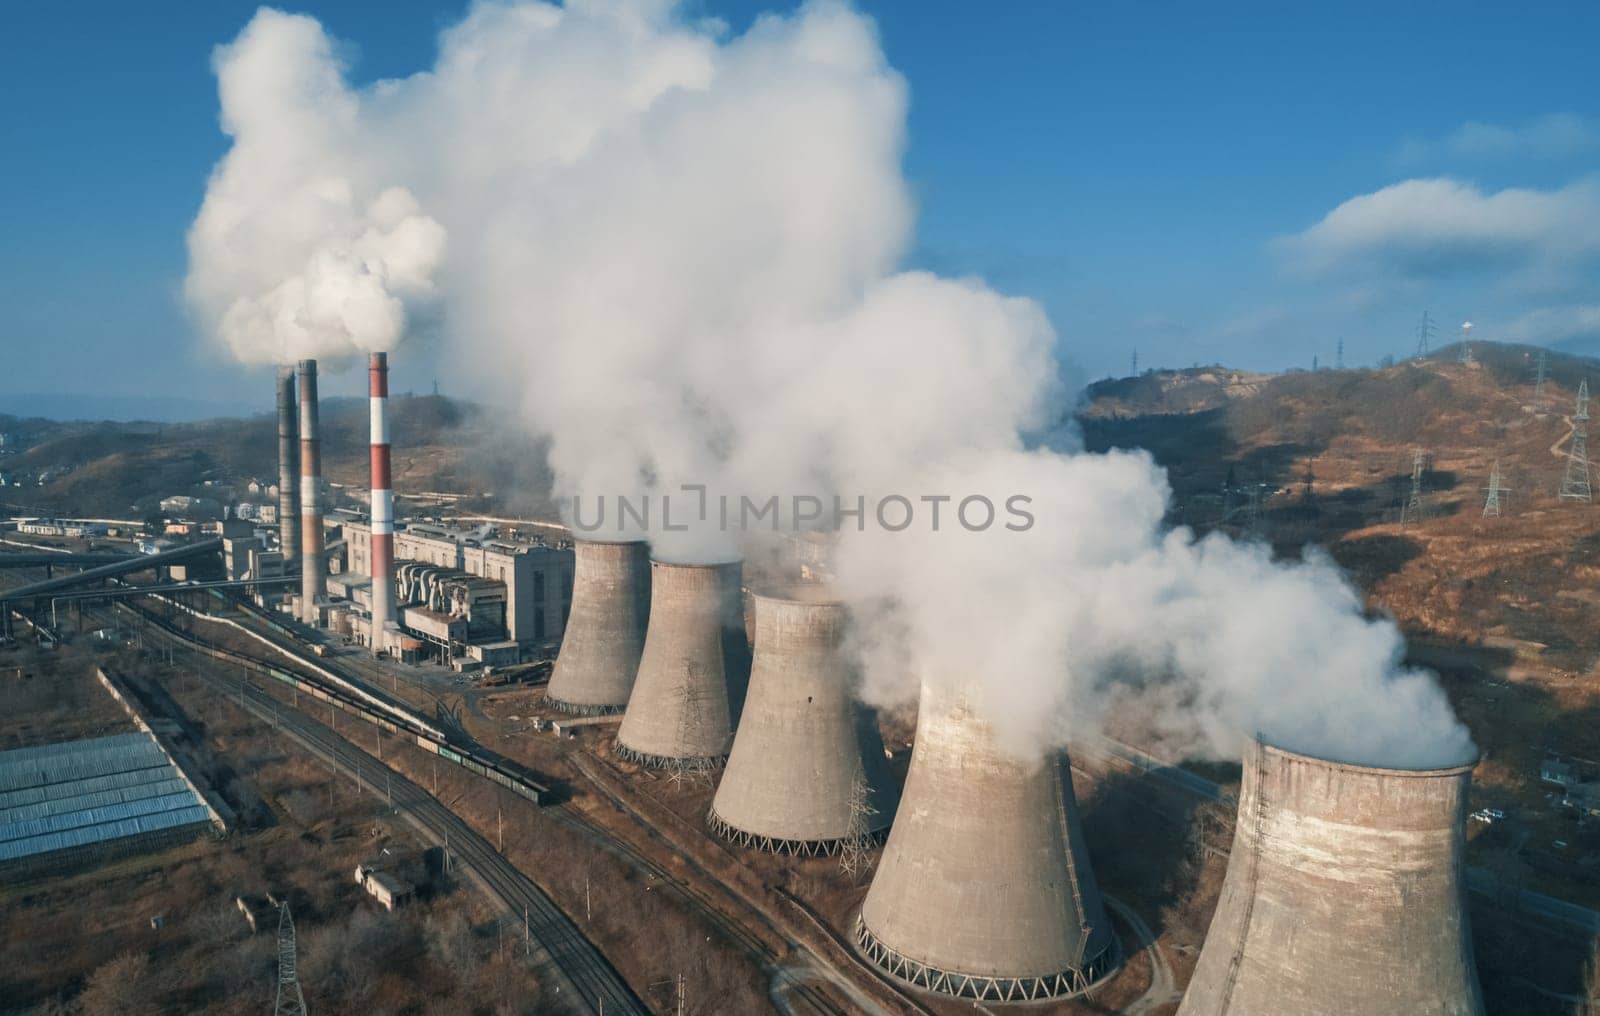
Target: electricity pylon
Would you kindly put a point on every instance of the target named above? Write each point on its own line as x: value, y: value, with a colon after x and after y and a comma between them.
x: 1575, y: 485
x: 1425, y: 332
x: 1412, y: 512
x: 1491, y: 504
x: 290, y: 1001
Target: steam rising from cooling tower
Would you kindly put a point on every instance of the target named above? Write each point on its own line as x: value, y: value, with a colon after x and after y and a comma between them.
x: 693, y: 671
x: 1344, y: 894
x: 605, y: 631
x: 312, y: 565
x: 984, y: 890
x: 807, y: 773
x: 639, y: 205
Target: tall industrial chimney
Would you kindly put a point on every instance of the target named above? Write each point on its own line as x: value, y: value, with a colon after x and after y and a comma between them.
x: 604, y: 637
x: 693, y: 671
x: 312, y: 566
x: 1344, y: 894
x: 288, y: 468
x: 807, y: 773
x: 984, y: 890
x: 382, y: 502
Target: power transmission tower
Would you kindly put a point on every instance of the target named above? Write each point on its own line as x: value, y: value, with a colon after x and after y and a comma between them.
x: 1413, y: 511
x: 1134, y: 371
x: 1465, y: 359
x: 1576, y: 483
x: 1338, y: 356
x: 1540, y: 372
x: 1491, y: 504
x: 290, y: 1000
x: 1425, y: 332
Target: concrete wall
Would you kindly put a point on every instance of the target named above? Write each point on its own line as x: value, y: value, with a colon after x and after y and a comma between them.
x: 985, y: 874
x: 803, y: 746
x: 693, y: 670
x: 604, y: 637
x: 1344, y: 895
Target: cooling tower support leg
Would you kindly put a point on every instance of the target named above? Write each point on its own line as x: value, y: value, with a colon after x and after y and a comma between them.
x: 1065, y: 984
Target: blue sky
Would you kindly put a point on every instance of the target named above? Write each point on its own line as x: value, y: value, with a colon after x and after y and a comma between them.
x: 1155, y: 174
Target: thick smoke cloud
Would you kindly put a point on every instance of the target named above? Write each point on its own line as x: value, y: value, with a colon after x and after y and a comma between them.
x: 679, y: 253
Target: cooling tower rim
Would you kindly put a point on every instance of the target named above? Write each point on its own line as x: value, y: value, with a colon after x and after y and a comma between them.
x: 600, y: 541
x: 661, y: 562
x: 809, y: 594
x: 1428, y: 772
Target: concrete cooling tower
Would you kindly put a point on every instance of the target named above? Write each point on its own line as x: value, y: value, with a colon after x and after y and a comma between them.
x: 1344, y: 894
x: 984, y: 890
x: 807, y: 773
x: 693, y: 671
x: 604, y: 637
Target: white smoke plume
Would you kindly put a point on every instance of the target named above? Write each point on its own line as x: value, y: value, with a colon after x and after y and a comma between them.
x: 301, y: 249
x: 679, y: 252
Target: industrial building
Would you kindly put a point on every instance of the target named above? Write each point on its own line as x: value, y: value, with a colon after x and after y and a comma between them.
x: 693, y: 670
x: 73, y: 803
x: 469, y: 592
x: 604, y: 636
x: 984, y: 890
x: 1344, y: 894
x: 807, y: 773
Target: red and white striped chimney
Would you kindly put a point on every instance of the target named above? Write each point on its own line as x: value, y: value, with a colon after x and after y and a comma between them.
x: 382, y: 502
x: 312, y: 566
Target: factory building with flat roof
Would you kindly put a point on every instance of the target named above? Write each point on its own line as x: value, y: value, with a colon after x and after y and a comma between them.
x: 521, y: 588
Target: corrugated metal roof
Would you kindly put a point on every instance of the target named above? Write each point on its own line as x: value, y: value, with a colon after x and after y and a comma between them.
x: 95, y: 784
x: 77, y: 793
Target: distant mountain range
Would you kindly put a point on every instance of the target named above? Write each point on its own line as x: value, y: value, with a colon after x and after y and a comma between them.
x: 121, y: 408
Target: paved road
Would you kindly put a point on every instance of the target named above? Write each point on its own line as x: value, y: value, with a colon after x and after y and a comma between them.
x: 1163, y: 986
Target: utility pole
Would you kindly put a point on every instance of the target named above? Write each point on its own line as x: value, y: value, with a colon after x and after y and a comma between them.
x: 1575, y: 485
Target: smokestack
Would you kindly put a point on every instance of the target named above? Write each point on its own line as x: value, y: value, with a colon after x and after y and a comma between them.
x: 604, y: 637
x: 807, y: 773
x: 288, y: 468
x: 984, y: 890
x: 1344, y: 894
x: 382, y: 502
x: 692, y: 672
x: 312, y: 566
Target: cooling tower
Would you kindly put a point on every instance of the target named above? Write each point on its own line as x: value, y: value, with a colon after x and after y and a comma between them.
x: 984, y: 890
x: 288, y: 468
x: 312, y: 566
x: 1343, y: 894
x: 604, y: 636
x: 693, y: 671
x: 382, y: 502
x: 807, y: 773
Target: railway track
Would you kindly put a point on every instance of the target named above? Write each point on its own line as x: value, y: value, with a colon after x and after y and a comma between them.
x: 581, y: 978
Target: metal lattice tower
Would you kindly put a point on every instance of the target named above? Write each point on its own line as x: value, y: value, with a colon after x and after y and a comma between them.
x: 1576, y: 483
x: 1465, y: 359
x: 1425, y: 332
x: 1338, y: 356
x: 1413, y: 511
x: 290, y: 1001
x: 1540, y: 372
x: 1135, y: 364
x: 1491, y: 503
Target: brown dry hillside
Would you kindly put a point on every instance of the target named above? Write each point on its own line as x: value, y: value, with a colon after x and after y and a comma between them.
x: 122, y: 470
x: 1331, y: 455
